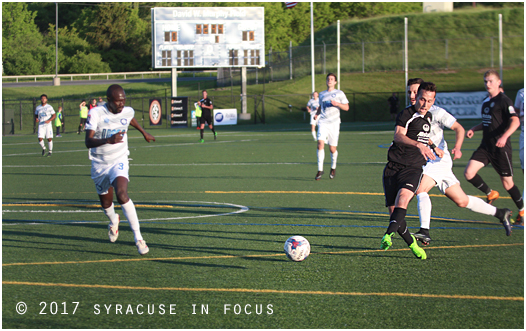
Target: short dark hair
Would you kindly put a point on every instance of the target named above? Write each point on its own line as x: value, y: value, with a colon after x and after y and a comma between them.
x: 492, y: 72
x: 333, y: 75
x: 426, y: 87
x: 112, y: 88
x: 43, y: 95
x: 413, y: 81
x: 203, y: 91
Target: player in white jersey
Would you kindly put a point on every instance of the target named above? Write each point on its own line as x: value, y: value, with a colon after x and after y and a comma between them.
x: 439, y: 172
x: 519, y: 108
x: 332, y: 101
x: 312, y: 108
x: 106, y: 137
x: 44, y: 115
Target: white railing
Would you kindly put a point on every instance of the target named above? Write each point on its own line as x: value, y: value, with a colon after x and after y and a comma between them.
x: 141, y: 73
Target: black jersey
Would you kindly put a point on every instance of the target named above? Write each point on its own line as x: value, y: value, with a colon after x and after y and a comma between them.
x: 206, y: 111
x: 496, y: 115
x: 418, y: 129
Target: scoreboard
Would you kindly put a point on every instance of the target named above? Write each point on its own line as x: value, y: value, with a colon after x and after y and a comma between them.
x: 207, y: 37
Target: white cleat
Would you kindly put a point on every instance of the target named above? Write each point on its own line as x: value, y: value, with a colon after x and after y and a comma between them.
x: 141, y: 247
x: 113, y: 231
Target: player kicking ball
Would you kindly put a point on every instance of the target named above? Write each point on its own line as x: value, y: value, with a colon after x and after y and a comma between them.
x: 106, y: 137
x: 438, y: 172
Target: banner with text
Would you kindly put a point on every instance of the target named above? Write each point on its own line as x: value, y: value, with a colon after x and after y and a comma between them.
x: 225, y: 116
x: 179, y: 112
x: 461, y: 104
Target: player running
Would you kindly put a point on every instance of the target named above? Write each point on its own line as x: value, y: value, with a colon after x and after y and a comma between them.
x: 206, y: 116
x: 312, y: 108
x: 44, y: 115
x: 106, y: 137
x: 439, y: 172
x: 328, y: 116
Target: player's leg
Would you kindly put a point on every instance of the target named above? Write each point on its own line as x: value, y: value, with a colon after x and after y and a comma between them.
x: 49, y: 135
x: 105, y: 192
x: 333, y: 137
x: 472, y: 176
x: 213, y: 131
x: 202, y: 130
x: 515, y: 194
x: 334, y: 159
x: 320, y: 150
x: 424, y: 209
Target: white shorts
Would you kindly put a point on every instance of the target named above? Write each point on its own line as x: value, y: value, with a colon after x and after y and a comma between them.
x: 521, y: 149
x: 45, y: 131
x: 103, y: 174
x: 329, y: 133
x: 442, y: 175
x: 312, y: 120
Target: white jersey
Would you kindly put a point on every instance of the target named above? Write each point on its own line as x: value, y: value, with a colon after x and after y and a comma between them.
x: 313, y: 104
x: 44, y: 113
x: 106, y: 124
x: 441, y: 119
x: 519, y: 104
x: 329, y: 113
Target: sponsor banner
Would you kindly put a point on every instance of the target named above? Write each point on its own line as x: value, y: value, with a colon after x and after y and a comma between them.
x: 179, y: 112
x: 225, y: 116
x: 194, y: 119
x: 461, y: 104
x: 156, y: 112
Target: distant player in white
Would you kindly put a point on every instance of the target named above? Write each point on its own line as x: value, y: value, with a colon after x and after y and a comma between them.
x: 312, y: 108
x: 439, y: 172
x: 331, y: 102
x: 106, y: 137
x: 519, y: 108
x: 44, y: 115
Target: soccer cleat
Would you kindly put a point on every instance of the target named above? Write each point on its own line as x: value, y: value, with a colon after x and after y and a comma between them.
x: 215, y: 135
x: 318, y: 175
x: 58, y: 135
x: 492, y: 196
x: 422, y: 236
x: 113, y: 231
x: 141, y: 247
x: 520, y: 217
x: 49, y: 153
x: 201, y: 140
x: 386, y: 241
x: 506, y: 221
x: 417, y: 250
x: 43, y: 152
x: 332, y: 173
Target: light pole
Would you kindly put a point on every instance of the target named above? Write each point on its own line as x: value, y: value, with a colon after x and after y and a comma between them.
x: 56, y: 80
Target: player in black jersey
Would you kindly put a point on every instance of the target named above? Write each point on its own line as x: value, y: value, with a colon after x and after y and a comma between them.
x: 407, y: 155
x: 499, y: 121
x: 206, y: 116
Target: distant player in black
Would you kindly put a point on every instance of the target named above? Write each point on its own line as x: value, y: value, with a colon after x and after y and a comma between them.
x: 393, y: 106
x: 499, y: 121
x: 407, y: 155
x: 206, y: 115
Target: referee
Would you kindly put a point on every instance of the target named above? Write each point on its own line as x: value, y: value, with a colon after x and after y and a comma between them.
x: 206, y: 116
x: 499, y: 121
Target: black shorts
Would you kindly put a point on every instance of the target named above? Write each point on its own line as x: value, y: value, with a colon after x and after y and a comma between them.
x: 83, y: 121
x: 397, y: 176
x: 206, y: 118
x: 500, y: 158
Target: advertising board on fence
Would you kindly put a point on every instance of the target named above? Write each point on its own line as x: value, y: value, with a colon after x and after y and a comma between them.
x: 461, y: 104
x: 179, y: 112
x: 225, y: 116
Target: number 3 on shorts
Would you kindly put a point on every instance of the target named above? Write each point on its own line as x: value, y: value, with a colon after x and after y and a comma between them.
x: 121, y: 166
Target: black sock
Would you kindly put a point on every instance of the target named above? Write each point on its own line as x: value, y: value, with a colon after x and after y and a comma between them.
x: 479, y: 183
x: 202, y: 132
x: 213, y: 131
x: 500, y: 213
x: 516, y: 196
x: 403, y: 231
x: 394, y: 220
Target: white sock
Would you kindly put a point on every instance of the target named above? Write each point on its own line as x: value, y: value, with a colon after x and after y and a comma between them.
x: 424, y: 209
x: 110, y: 212
x: 480, y: 206
x: 50, y: 144
x: 131, y: 215
x: 314, y: 134
x: 321, y: 158
x: 334, y: 158
x: 41, y: 143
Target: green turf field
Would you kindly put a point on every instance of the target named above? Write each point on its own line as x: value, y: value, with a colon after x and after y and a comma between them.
x: 216, y: 216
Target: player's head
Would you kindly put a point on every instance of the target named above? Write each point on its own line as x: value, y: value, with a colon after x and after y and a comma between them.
x: 331, y: 80
x: 492, y: 82
x: 315, y: 95
x: 94, y: 101
x: 412, y: 88
x: 116, y: 98
x: 59, y: 108
x: 83, y: 101
x: 43, y: 99
x: 205, y: 94
x: 425, y: 97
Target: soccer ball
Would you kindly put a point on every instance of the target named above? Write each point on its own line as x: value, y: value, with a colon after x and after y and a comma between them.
x: 297, y: 248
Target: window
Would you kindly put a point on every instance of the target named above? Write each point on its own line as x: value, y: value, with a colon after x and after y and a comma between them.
x: 166, y: 58
x: 248, y: 35
x: 188, y: 58
x: 233, y: 59
x: 174, y: 35
x: 179, y: 58
x: 251, y: 57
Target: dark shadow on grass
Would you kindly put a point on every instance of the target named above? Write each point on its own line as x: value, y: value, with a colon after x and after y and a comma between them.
x: 194, y: 264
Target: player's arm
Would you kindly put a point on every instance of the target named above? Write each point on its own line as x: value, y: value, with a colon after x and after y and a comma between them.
x: 148, y: 137
x: 459, y: 135
x: 52, y: 118
x: 471, y: 131
x: 36, y: 118
x: 92, y: 142
x: 342, y: 106
x: 514, y: 125
x: 434, y: 148
x: 400, y: 137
